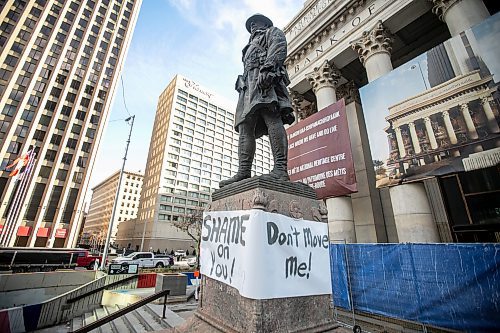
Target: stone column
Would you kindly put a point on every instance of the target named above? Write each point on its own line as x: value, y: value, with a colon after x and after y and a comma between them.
x: 341, y: 216
x: 374, y: 50
x: 471, y: 128
x: 430, y: 132
x: 412, y: 214
x: 490, y: 116
x: 414, y: 138
x: 460, y: 15
x: 449, y: 127
x: 324, y: 80
x: 401, y: 145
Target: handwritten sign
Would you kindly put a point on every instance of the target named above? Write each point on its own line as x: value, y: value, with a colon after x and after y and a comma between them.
x: 265, y: 255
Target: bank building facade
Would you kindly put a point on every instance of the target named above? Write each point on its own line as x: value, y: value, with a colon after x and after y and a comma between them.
x: 422, y: 102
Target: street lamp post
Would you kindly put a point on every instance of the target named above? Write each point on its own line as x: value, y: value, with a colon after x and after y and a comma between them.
x: 115, y: 205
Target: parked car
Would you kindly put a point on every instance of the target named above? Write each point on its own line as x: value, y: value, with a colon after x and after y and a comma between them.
x: 143, y: 259
x: 192, y: 261
x: 182, y: 263
x: 180, y: 253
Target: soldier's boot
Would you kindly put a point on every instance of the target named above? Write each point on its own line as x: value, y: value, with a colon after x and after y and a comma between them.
x: 279, y: 146
x: 246, y: 152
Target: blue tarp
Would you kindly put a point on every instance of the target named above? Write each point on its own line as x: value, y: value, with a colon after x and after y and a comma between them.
x: 454, y: 286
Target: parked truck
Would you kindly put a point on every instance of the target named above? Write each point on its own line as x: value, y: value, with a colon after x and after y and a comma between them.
x: 88, y: 260
x: 144, y: 260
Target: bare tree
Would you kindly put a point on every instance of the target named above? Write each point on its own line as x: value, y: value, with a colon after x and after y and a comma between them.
x: 191, y: 224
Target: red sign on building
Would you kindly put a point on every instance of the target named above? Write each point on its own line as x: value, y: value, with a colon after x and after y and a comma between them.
x: 23, y: 231
x: 61, y: 233
x: 319, y: 152
x: 43, y: 232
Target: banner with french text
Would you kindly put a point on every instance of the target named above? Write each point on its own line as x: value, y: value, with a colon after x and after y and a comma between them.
x: 266, y: 255
x: 319, y: 152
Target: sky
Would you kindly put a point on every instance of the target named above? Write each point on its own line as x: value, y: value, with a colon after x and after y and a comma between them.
x: 387, y: 91
x: 200, y: 39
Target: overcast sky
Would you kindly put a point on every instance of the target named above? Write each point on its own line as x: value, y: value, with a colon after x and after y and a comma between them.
x: 200, y: 39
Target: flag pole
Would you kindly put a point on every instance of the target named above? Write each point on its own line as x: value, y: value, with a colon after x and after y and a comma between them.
x: 117, y: 196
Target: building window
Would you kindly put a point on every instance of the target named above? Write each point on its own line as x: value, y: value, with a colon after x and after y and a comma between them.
x: 76, y: 129
x: 39, y: 135
x: 66, y: 159
x: 78, y: 177
x: 72, y: 143
x: 21, y: 131
x: 61, y: 124
x: 82, y: 161
x: 50, y: 155
x: 62, y: 174
x: 45, y: 171
x: 14, y: 147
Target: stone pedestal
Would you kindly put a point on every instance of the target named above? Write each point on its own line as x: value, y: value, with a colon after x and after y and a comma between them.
x: 223, y: 309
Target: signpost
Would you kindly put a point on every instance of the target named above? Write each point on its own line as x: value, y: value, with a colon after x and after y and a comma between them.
x: 124, y: 268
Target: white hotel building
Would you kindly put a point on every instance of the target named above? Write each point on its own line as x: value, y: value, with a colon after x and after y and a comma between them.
x: 193, y: 146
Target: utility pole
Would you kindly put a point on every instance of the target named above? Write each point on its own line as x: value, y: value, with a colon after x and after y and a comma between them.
x: 115, y: 205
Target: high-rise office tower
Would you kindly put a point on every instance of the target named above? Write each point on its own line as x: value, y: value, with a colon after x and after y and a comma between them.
x: 193, y: 146
x: 102, y: 203
x: 59, y: 67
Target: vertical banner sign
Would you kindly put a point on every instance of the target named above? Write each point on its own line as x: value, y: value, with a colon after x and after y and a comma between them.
x: 266, y: 255
x: 319, y: 152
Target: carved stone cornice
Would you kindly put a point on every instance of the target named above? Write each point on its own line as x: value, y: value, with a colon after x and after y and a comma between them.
x: 485, y: 99
x: 441, y: 7
x: 349, y: 92
x: 464, y: 107
x: 379, y: 39
x: 326, y: 75
x: 350, y: 11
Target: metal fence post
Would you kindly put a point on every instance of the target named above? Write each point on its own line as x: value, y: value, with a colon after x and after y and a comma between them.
x: 165, y: 303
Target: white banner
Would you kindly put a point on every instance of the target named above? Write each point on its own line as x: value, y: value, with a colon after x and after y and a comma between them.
x: 266, y: 255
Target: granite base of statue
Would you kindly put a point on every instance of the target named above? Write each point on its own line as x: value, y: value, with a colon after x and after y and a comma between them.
x: 222, y: 308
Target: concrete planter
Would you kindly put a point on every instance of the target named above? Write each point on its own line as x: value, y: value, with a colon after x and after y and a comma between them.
x: 175, y: 282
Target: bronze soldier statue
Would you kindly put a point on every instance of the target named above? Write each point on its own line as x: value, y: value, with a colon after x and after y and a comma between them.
x: 264, y: 104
